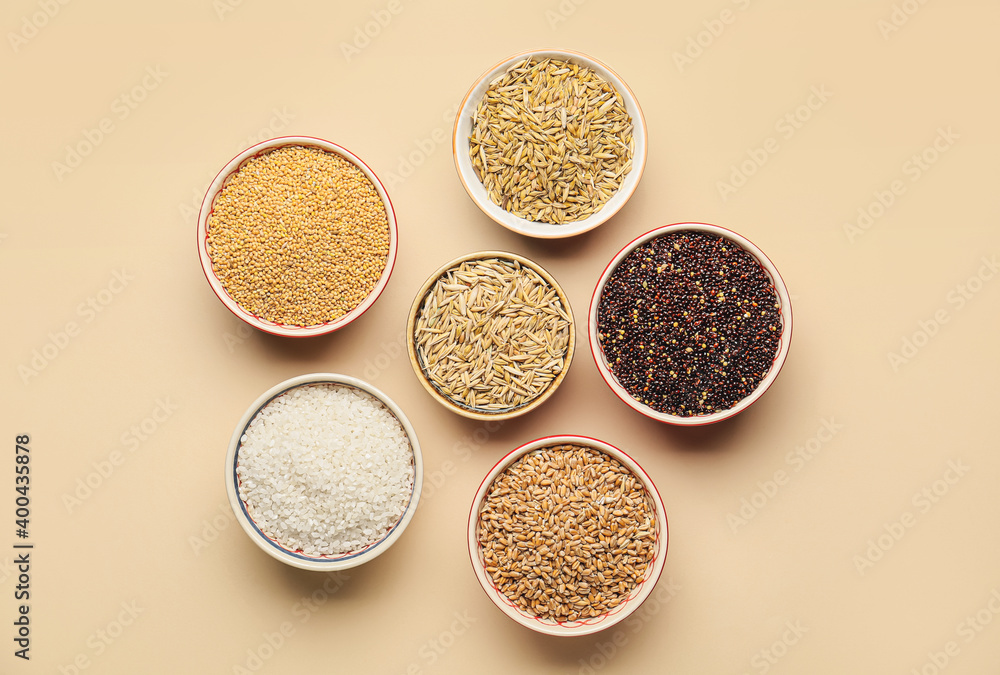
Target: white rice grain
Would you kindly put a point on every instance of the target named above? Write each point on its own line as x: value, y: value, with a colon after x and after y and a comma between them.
x: 325, y: 469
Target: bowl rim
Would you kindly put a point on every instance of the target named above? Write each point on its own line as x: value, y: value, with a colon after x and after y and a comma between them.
x: 418, y: 369
x: 301, y: 560
x: 220, y: 180
x: 783, y: 344
x: 616, y: 614
x: 474, y: 187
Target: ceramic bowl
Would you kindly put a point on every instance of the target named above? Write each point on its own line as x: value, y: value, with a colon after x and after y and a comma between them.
x: 420, y: 368
x: 588, y: 625
x: 228, y: 171
x: 472, y: 184
x: 319, y: 563
x: 785, y: 309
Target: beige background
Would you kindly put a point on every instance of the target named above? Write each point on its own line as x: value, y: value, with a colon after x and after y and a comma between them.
x: 148, y: 573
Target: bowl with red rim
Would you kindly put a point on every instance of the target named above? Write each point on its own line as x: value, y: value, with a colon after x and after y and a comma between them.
x: 381, y: 265
x: 464, y: 127
x: 592, y: 508
x: 690, y: 324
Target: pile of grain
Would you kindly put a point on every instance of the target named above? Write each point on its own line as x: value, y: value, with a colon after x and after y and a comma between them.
x: 551, y: 141
x: 325, y: 469
x: 689, y: 323
x: 492, y: 335
x: 567, y: 532
x: 298, y: 236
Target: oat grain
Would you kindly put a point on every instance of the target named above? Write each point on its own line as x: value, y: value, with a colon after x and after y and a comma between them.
x: 551, y: 141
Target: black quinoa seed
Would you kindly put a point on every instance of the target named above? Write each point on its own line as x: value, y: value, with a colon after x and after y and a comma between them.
x: 689, y: 323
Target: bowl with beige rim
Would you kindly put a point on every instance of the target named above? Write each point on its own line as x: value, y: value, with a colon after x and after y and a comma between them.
x: 491, y: 335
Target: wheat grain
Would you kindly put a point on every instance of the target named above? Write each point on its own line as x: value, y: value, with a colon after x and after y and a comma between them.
x: 567, y: 532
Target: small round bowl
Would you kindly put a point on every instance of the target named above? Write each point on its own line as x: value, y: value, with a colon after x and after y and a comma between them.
x: 472, y: 184
x: 479, y: 413
x: 582, y: 626
x: 779, y: 358
x: 319, y: 563
x: 228, y: 171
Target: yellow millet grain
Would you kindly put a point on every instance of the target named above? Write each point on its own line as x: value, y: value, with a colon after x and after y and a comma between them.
x: 298, y: 236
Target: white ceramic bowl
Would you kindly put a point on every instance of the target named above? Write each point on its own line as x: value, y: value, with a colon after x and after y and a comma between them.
x: 463, y: 128
x: 478, y: 413
x: 322, y: 563
x: 227, y: 172
x: 779, y: 357
x: 582, y: 626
